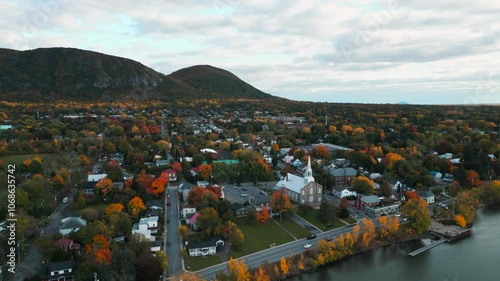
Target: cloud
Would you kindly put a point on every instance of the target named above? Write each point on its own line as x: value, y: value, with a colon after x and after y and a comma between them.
x: 356, y: 51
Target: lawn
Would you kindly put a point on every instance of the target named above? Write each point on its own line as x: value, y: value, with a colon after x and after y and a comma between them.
x: 18, y: 159
x: 350, y: 220
x: 197, y: 263
x: 259, y: 236
x: 311, y: 218
x: 295, y: 229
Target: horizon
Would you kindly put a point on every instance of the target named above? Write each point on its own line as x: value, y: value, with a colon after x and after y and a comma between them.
x: 358, y: 52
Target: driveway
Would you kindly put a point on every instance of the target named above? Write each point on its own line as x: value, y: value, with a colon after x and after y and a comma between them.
x: 32, y: 261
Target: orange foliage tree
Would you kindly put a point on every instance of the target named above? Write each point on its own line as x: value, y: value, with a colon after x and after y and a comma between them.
x: 57, y: 182
x: 260, y: 275
x: 322, y: 151
x: 114, y: 208
x: 280, y: 202
x: 177, y: 166
x: 84, y: 161
x: 205, y: 170
x: 263, y: 214
x: 238, y: 271
x: 410, y: 194
x: 284, y: 267
x: 135, y: 205
x: 390, y: 159
x: 473, y: 178
x: 460, y: 221
x: 158, y: 184
x: 104, y: 185
x: 99, y: 251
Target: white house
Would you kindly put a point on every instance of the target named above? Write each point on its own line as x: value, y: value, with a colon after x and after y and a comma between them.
x: 71, y: 224
x: 142, y: 228
x: 446, y: 156
x: 342, y: 191
x: 152, y: 223
x: 428, y: 196
x: 204, y: 248
x: 187, y: 212
x: 96, y: 177
x: 374, y: 176
x: 303, y: 190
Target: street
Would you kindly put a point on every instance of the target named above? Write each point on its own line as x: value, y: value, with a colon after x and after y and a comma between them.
x: 171, y: 235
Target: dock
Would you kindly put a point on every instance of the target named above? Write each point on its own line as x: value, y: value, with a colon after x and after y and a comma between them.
x: 427, y: 247
x: 446, y: 233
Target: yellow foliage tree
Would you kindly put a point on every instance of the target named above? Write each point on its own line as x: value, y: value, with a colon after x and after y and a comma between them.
x: 460, y: 221
x: 114, y: 208
x: 260, y: 275
x: 284, y: 266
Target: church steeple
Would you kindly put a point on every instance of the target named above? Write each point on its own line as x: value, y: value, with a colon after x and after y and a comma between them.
x: 308, y: 174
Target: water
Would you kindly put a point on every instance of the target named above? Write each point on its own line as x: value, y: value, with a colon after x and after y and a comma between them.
x: 476, y: 257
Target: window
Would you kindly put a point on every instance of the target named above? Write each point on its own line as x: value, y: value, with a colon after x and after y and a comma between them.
x: 319, y: 190
x: 311, y: 199
x: 310, y: 191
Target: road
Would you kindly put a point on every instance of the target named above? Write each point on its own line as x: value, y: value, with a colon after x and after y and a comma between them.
x: 32, y: 261
x: 275, y: 253
x: 171, y: 235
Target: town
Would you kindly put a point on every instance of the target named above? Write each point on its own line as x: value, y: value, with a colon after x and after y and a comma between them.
x: 157, y: 191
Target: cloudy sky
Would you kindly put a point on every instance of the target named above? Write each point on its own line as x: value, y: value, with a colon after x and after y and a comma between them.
x: 426, y: 52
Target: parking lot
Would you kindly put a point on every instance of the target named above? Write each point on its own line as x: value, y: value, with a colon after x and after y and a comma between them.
x: 242, y: 193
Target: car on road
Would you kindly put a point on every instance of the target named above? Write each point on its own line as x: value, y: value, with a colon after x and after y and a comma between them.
x: 312, y: 236
x: 262, y: 192
x: 307, y: 246
x: 244, y: 195
x: 329, y: 239
x: 168, y: 244
x: 65, y: 200
x: 168, y: 194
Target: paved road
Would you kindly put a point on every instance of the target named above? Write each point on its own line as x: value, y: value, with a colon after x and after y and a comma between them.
x: 171, y: 235
x: 32, y: 261
x: 275, y: 253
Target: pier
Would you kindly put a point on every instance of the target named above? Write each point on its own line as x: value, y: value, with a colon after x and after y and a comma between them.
x: 446, y: 233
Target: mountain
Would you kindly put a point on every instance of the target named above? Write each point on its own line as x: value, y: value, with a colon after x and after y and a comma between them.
x: 67, y: 73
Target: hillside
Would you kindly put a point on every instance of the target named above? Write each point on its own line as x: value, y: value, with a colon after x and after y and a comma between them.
x: 73, y: 74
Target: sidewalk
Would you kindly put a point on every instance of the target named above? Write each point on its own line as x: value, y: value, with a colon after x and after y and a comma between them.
x: 300, y: 221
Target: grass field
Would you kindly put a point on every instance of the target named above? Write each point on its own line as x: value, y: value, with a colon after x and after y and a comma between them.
x: 311, y: 217
x: 259, y: 236
x: 350, y: 220
x: 18, y: 159
x: 295, y: 229
x: 197, y: 263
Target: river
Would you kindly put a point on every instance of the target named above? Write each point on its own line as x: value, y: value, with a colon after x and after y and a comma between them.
x: 476, y: 257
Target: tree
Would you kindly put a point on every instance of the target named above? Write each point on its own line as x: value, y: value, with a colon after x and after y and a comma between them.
x: 460, y: 221
x: 322, y: 151
x: 284, y: 266
x: 367, y: 233
x: 57, y: 182
x: 385, y: 189
x: 177, y: 166
x: 275, y: 148
x: 183, y: 232
x: 280, y: 202
x: 208, y: 221
x: 418, y: 213
x: 113, y: 171
x: 135, y: 206
x: 114, y: 208
x: 263, y: 214
x: 187, y: 276
x: 158, y: 184
x: 260, y: 275
x: 233, y: 234
x: 466, y: 204
x: 473, y: 178
x: 390, y: 159
x: 238, y: 271
x: 99, y: 250
x: 205, y: 171
x: 104, y: 185
x: 362, y: 185
x: 325, y: 213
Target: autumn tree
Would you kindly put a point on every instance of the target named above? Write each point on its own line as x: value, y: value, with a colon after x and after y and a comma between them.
x: 233, y: 234
x: 205, y: 171
x: 390, y: 159
x: 135, y: 206
x: 367, y: 233
x: 410, y: 194
x: 322, y: 151
x: 114, y: 208
x: 473, y: 179
x: 460, y: 221
x: 284, y: 267
x: 104, y: 185
x: 418, y: 213
x: 57, y: 182
x: 238, y: 271
x: 99, y: 251
x: 208, y: 221
x: 280, y: 202
x: 263, y: 214
x: 145, y: 180
x: 84, y: 161
x: 177, y: 166
x: 275, y: 149
x: 183, y: 232
x: 466, y: 204
x: 260, y: 275
x: 187, y: 276
x: 158, y: 184
x: 362, y: 185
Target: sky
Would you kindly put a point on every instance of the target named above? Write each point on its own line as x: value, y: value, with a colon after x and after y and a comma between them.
x: 356, y: 51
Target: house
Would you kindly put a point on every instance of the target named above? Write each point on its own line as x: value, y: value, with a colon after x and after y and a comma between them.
x: 343, y: 176
x: 427, y: 195
x: 446, y: 156
x: 96, y: 177
x: 66, y: 244
x: 60, y: 271
x: 383, y: 210
x: 194, y: 171
x: 172, y: 174
x: 374, y: 176
x: 437, y: 175
x: 71, y: 224
x: 154, y: 204
x: 118, y: 157
x: 448, y: 178
x: 162, y: 163
x: 203, y: 184
x: 204, y: 248
x: 342, y: 191
x: 188, y: 211
x: 303, y: 190
x: 152, y: 213
x: 239, y: 209
x: 397, y: 186
x: 88, y: 187
x: 155, y: 246
x: 364, y: 201
x: 143, y: 229
x: 192, y: 221
x: 152, y: 223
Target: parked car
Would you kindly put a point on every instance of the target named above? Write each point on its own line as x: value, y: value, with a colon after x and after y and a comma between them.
x: 312, y: 236
x: 243, y: 195
x: 65, y: 200
x: 307, y: 246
